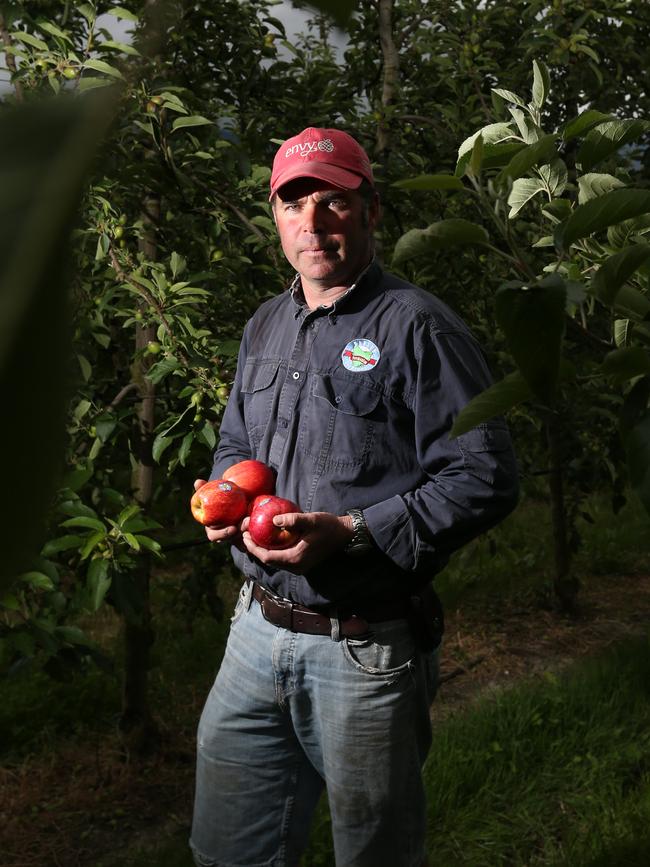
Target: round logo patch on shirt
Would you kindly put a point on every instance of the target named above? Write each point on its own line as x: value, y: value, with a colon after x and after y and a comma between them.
x: 360, y: 355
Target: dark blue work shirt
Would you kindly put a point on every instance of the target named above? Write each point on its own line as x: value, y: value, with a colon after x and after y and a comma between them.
x: 352, y: 405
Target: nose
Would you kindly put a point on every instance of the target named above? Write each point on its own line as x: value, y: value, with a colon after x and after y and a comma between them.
x: 312, y: 219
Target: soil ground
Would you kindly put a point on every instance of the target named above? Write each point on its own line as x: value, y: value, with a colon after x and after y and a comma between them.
x: 86, y: 804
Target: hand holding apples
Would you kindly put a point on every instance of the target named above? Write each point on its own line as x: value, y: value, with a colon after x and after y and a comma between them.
x: 319, y: 536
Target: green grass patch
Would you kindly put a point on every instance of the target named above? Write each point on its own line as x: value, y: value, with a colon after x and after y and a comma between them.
x: 553, y: 772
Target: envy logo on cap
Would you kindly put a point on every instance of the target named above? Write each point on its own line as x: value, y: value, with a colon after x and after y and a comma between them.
x: 304, y: 148
x: 360, y: 355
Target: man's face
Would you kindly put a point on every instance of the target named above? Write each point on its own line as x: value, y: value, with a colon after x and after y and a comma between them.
x: 325, y: 233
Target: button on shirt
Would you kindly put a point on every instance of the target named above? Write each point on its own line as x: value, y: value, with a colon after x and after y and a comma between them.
x: 352, y: 406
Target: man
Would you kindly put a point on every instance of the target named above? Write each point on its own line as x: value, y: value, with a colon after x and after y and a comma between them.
x: 347, y: 385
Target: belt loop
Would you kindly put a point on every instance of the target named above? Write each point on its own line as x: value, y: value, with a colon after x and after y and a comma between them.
x: 247, y: 594
x: 336, y: 629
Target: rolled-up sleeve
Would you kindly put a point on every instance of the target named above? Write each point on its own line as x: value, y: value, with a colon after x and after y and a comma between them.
x: 468, y: 484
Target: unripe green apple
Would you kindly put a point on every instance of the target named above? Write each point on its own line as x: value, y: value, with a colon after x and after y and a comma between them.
x: 153, y: 347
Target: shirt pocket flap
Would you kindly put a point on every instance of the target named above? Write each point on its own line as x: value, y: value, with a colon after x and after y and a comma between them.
x: 345, y: 397
x: 258, y: 375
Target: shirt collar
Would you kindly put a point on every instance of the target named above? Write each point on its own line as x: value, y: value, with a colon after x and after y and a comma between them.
x: 369, y: 274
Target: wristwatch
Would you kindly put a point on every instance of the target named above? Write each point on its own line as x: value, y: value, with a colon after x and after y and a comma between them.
x: 361, y: 541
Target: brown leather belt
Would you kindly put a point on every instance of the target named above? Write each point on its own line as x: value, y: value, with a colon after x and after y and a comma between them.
x: 299, y: 618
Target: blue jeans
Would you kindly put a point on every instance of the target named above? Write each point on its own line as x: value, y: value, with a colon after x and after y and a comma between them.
x: 291, y: 713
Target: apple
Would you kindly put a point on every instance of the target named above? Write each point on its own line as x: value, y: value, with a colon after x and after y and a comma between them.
x: 253, y: 477
x: 219, y: 504
x: 261, y: 527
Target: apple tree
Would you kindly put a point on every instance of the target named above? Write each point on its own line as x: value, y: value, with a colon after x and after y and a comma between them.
x: 566, y: 214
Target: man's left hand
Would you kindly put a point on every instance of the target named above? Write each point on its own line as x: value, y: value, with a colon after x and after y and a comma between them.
x: 321, y: 535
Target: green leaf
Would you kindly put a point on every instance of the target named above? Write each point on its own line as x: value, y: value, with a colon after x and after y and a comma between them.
x: 509, y: 96
x: 93, y: 83
x: 83, y: 521
x: 86, y: 369
x: 38, y: 580
x: 121, y: 46
x: 621, y: 329
x: 132, y: 541
x: 149, y: 544
x: 191, y: 120
x: 98, y: 582
x: 592, y: 185
x: 127, y: 513
x: 30, y: 40
x: 446, y: 233
x: 91, y: 543
x: 597, y: 214
x: 161, y: 369
x: 81, y: 409
x: 159, y: 445
x: 630, y: 300
x: 529, y: 156
x: 523, y: 190
x: 541, y: 83
x: 617, y: 270
x: 102, y: 66
x: 555, y: 177
x: 637, y: 446
x: 495, y: 400
x: 77, y: 478
x: 186, y: 445
x: 626, y: 363
x: 583, y: 123
x: 177, y: 263
x: 71, y: 635
x: 430, y: 182
x: 63, y: 543
x: 493, y: 133
x: 532, y: 318
x: 476, y: 158
x: 123, y: 13
x: 209, y: 435
x: 607, y: 138
x: 54, y: 30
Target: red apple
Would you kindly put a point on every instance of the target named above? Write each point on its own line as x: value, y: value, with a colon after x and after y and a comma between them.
x: 219, y: 504
x: 253, y: 477
x: 261, y: 527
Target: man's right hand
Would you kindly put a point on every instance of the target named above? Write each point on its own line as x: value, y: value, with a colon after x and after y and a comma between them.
x: 222, y: 534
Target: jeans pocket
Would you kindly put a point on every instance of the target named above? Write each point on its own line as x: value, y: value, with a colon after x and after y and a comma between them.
x: 387, y: 652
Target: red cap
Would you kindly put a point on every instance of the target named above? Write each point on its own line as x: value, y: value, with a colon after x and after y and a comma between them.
x: 330, y: 155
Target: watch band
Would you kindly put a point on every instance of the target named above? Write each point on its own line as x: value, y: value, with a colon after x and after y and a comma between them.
x: 361, y: 541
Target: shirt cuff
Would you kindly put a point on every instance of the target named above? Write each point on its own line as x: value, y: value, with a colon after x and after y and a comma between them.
x: 393, y: 531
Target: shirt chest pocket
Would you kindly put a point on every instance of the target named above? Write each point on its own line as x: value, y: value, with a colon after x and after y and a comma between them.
x: 257, y: 389
x: 343, y: 422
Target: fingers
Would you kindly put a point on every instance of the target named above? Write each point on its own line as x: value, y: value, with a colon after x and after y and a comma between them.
x: 198, y: 483
x: 292, y: 519
x: 220, y: 534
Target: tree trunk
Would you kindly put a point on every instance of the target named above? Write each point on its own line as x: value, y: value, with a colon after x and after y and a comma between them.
x: 390, y: 82
x: 565, y: 584
x: 137, y: 722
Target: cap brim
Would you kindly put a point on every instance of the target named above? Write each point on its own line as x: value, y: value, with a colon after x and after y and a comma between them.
x: 338, y: 177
